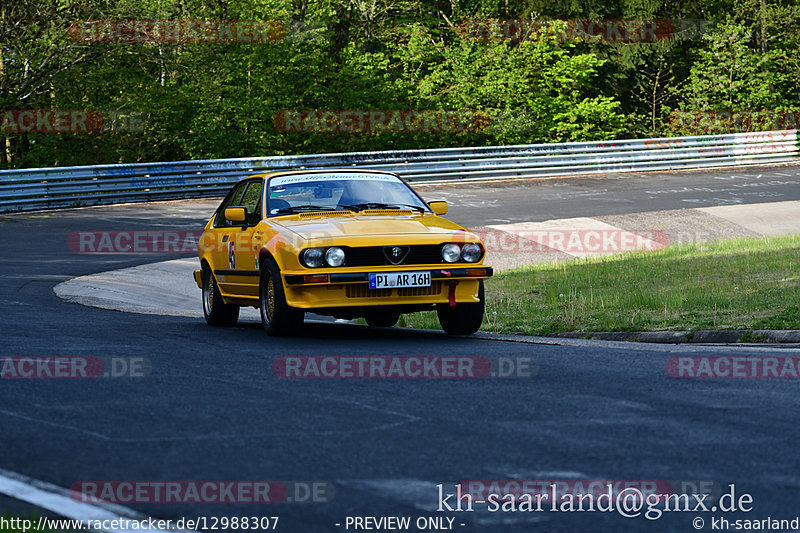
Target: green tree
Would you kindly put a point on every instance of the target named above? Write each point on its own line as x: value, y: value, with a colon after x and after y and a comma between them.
x: 544, y: 82
x: 729, y: 74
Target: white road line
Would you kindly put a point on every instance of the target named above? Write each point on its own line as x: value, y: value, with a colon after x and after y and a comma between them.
x: 58, y: 500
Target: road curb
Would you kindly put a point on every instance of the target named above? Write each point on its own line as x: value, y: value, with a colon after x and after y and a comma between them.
x: 703, y: 336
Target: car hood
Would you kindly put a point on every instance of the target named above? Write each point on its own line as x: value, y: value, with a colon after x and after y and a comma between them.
x: 370, y: 225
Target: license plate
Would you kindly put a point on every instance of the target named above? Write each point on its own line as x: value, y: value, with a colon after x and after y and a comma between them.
x: 392, y: 280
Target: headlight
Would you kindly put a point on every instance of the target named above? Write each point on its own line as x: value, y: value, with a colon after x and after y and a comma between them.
x: 334, y: 257
x: 451, y: 252
x: 471, y: 252
x: 313, y: 257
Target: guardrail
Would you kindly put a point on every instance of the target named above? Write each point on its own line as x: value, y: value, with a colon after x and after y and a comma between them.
x: 46, y: 188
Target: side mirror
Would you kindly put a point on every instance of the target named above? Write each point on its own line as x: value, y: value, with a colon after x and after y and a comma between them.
x: 439, y: 207
x: 236, y: 214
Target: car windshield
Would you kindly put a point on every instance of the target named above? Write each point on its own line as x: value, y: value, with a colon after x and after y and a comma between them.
x: 296, y: 193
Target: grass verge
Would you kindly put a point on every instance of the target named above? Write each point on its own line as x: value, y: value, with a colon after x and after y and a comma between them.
x: 751, y: 283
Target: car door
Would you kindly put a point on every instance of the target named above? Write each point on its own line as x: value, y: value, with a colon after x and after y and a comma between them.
x: 246, y: 245
x: 222, y: 242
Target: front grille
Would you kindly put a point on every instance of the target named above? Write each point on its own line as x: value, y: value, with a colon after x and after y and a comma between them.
x: 362, y: 290
x: 421, y: 254
x: 435, y: 288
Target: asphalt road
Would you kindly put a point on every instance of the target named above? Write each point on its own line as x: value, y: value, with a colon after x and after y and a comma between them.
x: 213, y: 409
x: 614, y: 194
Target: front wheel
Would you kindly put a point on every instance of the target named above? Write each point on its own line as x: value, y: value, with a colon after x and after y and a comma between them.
x: 277, y: 317
x: 216, y: 311
x: 462, y: 319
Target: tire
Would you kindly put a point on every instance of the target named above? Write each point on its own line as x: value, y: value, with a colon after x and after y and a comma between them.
x: 216, y: 311
x: 463, y: 319
x: 382, y: 319
x: 277, y: 317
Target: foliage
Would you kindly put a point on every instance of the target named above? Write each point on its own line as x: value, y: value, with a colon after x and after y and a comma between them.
x: 220, y: 99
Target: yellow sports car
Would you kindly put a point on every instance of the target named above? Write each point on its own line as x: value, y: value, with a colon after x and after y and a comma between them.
x: 345, y: 243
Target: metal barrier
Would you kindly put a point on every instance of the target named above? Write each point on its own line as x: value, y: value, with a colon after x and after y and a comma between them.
x: 46, y: 188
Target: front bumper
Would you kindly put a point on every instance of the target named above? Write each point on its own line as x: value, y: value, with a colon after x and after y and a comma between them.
x: 335, y: 289
x: 351, y: 289
x: 479, y: 272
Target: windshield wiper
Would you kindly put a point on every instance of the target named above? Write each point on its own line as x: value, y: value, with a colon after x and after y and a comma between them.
x: 379, y: 205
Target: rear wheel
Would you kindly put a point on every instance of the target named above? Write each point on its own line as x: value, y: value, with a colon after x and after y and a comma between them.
x: 382, y: 319
x: 277, y: 317
x: 462, y: 319
x: 216, y: 311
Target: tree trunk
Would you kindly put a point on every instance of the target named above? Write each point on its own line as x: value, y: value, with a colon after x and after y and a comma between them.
x: 341, y: 31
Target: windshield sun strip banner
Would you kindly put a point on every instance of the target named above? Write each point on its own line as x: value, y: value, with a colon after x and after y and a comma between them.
x: 310, y: 178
